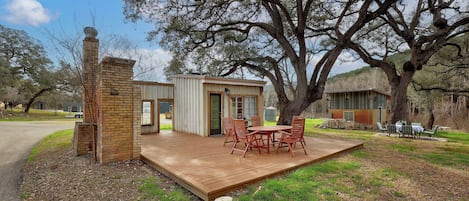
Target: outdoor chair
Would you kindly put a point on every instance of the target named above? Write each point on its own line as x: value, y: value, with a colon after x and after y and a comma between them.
x: 432, y: 132
x: 302, y: 136
x: 407, y: 131
x: 380, y: 128
x: 228, y: 130
x: 255, y: 121
x: 250, y: 140
x: 295, y: 136
x: 391, y: 129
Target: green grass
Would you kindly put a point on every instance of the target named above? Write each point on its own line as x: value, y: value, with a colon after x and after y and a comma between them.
x: 318, y: 182
x: 449, y: 155
x: 35, y: 115
x: 404, y: 148
x: 458, y: 137
x: 57, y: 140
x: 150, y: 190
x: 166, y: 127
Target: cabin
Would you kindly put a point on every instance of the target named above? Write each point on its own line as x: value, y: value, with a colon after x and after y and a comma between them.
x: 364, y: 107
x: 199, y: 102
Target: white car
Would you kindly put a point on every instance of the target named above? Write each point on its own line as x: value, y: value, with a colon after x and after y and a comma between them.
x: 79, y: 115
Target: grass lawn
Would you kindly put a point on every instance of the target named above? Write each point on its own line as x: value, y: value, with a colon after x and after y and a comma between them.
x: 35, y: 115
x: 55, y: 141
x: 387, y: 168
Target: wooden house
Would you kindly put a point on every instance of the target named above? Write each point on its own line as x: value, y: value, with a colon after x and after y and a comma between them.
x: 366, y: 106
x: 200, y: 102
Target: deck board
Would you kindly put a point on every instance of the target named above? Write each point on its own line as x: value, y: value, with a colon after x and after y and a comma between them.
x: 206, y: 168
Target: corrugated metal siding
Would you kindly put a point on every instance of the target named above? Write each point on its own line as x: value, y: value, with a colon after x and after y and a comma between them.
x: 235, y: 90
x: 188, y: 106
x: 368, y: 117
x: 155, y: 92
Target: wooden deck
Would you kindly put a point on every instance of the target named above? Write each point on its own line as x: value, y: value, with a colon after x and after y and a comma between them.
x: 206, y: 168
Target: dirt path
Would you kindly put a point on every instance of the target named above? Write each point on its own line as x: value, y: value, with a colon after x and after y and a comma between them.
x: 16, y: 141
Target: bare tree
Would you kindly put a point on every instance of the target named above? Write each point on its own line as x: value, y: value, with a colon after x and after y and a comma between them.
x: 236, y: 37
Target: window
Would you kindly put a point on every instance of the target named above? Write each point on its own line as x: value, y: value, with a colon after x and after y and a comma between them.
x: 243, y: 107
x: 249, y: 107
x: 147, y: 112
x: 349, y: 116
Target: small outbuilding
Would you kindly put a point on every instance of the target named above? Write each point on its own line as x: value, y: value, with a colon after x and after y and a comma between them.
x: 200, y: 102
x: 365, y: 106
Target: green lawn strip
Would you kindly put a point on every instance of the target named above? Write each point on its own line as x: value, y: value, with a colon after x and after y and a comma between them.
x: 332, y: 180
x: 150, y: 190
x: 35, y: 115
x: 458, y: 137
x: 52, y: 142
x: 166, y: 127
x: 404, y: 147
x: 449, y: 155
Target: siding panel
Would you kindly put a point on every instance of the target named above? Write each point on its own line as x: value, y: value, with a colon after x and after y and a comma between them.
x: 154, y: 91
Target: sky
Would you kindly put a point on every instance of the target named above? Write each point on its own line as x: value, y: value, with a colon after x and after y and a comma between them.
x: 37, y: 17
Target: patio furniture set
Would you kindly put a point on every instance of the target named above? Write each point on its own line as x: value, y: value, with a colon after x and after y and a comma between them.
x: 414, y: 130
x: 260, y: 137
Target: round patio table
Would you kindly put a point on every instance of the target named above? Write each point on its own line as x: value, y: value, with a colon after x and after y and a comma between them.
x: 269, y: 131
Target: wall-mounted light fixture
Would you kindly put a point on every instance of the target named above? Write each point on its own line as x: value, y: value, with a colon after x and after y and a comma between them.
x: 227, y: 91
x: 114, y: 92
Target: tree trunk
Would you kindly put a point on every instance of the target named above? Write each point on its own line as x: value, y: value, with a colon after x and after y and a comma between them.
x: 32, y: 99
x: 431, y: 119
x: 290, y: 109
x: 399, y: 109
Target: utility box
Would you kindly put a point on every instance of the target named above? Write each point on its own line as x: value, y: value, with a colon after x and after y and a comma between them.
x: 270, y: 114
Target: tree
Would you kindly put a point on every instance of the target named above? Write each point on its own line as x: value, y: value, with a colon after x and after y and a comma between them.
x: 25, y: 65
x: 420, y: 28
x: 446, y: 74
x: 269, y: 38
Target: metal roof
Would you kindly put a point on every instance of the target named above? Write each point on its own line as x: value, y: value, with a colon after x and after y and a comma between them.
x: 222, y: 80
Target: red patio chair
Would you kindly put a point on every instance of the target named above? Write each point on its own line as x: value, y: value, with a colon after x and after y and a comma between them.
x: 228, y: 129
x: 302, y: 135
x: 296, y: 135
x: 255, y: 121
x: 250, y: 140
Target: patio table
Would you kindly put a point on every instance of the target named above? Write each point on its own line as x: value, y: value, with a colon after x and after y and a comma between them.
x: 416, y: 129
x: 269, y: 132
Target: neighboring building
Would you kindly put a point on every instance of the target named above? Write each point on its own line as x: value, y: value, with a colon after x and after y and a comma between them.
x: 366, y: 106
x: 73, y: 107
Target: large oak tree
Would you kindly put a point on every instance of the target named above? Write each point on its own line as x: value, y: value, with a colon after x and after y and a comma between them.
x: 269, y: 38
x: 25, y: 66
x: 421, y: 28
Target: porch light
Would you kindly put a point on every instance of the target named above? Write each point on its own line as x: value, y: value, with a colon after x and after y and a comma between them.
x: 227, y: 91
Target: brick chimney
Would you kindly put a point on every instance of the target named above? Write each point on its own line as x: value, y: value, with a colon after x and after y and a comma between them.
x: 90, y: 72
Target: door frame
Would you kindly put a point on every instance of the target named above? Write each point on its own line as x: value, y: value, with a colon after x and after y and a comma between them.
x: 168, y: 100
x: 222, y: 111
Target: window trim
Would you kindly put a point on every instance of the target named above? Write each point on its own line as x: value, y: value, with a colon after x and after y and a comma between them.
x: 243, y: 101
x: 152, y: 113
x: 353, y: 115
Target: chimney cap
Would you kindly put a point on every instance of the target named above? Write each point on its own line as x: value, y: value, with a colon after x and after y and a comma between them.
x: 90, y: 32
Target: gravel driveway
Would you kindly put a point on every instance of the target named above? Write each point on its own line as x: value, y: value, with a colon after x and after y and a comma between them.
x: 16, y: 141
